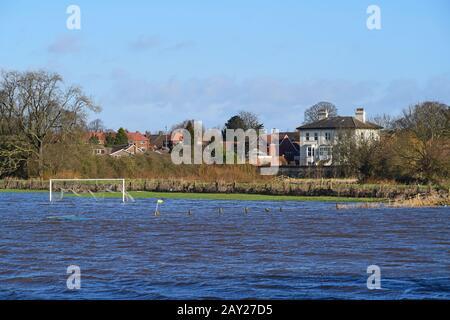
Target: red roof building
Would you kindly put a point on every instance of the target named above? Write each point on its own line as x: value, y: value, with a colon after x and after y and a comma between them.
x: 100, y: 135
x: 139, y: 140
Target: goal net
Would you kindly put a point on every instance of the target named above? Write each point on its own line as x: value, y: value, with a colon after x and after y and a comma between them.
x: 90, y: 188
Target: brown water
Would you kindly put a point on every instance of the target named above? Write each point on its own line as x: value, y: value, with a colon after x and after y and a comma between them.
x: 307, y: 250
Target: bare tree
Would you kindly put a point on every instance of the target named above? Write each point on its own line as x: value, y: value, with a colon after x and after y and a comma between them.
x: 250, y: 120
x: 356, y: 156
x: 182, y: 125
x: 39, y: 110
x: 312, y: 113
x: 425, y: 132
x: 12, y: 155
x: 96, y: 125
x: 384, y: 120
x: 428, y: 120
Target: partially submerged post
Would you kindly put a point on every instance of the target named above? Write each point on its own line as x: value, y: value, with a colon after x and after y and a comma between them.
x: 157, y: 206
x: 53, y: 183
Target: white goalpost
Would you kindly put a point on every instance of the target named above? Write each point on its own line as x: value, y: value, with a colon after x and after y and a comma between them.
x: 88, y: 182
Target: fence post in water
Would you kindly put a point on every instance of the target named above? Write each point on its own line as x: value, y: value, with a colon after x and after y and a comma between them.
x: 123, y: 190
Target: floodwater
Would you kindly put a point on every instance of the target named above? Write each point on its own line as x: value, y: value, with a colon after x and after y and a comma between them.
x: 308, y: 250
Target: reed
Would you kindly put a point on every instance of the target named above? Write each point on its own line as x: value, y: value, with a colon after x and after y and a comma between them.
x: 420, y: 200
x: 436, y: 199
x: 274, y: 186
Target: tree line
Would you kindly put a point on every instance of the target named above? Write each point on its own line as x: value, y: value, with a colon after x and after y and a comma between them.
x: 414, y: 147
x: 43, y: 125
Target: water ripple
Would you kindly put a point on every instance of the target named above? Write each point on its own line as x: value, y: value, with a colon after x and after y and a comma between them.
x: 309, y: 250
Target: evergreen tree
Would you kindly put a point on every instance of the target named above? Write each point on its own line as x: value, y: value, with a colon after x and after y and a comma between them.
x: 121, y: 137
x: 109, y: 139
x: 94, y: 140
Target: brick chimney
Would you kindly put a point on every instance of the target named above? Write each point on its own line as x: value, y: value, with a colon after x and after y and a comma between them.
x: 360, y: 114
x: 323, y: 114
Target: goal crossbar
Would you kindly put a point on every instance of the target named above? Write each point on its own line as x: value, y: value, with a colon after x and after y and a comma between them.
x: 101, y: 179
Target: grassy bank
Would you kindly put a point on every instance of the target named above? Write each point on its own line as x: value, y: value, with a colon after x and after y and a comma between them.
x: 209, y: 196
x: 22, y: 191
x: 229, y: 196
x: 276, y: 188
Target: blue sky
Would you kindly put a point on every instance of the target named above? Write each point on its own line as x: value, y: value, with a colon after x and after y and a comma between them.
x: 154, y: 63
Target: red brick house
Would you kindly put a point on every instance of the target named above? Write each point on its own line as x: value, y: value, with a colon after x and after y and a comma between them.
x: 139, y: 140
x: 100, y: 135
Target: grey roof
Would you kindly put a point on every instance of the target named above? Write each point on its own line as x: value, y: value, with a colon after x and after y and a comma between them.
x: 292, y: 135
x: 158, y: 139
x: 340, y: 123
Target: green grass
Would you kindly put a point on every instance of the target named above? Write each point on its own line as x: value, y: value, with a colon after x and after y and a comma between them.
x: 228, y: 196
x: 211, y: 196
x: 21, y: 190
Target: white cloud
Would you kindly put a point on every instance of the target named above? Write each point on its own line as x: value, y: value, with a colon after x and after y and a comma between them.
x: 152, y: 42
x: 144, y: 43
x: 65, y: 44
x: 279, y: 103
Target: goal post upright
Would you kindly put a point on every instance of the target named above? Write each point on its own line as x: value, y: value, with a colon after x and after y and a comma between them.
x: 51, y: 181
x: 123, y: 190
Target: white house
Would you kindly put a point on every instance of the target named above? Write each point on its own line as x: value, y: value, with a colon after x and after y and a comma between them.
x: 317, y: 138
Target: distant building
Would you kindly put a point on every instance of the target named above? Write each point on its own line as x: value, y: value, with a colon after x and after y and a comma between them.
x: 99, y: 136
x: 100, y: 150
x: 160, y: 141
x: 317, y: 138
x: 139, y: 140
x: 138, y: 143
x: 289, y: 147
x: 129, y: 150
x: 176, y: 137
x: 165, y: 141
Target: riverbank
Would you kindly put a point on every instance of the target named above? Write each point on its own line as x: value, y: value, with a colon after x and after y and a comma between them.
x: 230, y: 196
x: 205, y: 196
x: 429, y: 201
x: 306, y: 188
x: 437, y: 199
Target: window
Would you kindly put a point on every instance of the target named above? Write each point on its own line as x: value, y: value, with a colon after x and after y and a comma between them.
x: 327, y: 136
x: 325, y: 151
x: 316, y: 136
x: 307, y: 136
x: 310, y: 151
x: 362, y: 135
